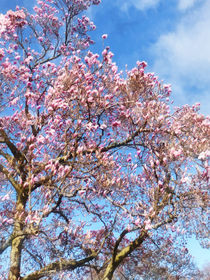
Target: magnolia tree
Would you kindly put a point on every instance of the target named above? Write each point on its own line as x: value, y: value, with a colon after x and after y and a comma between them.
x: 98, y: 177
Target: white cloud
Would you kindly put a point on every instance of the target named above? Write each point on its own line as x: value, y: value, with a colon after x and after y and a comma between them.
x: 138, y: 4
x: 186, y: 4
x: 183, y: 57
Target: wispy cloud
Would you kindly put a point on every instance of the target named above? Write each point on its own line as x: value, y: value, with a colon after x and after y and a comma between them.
x: 187, y: 4
x: 138, y: 4
x: 183, y: 56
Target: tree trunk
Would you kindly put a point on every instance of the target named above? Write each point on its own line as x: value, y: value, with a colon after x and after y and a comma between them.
x: 16, y: 246
x: 15, y: 258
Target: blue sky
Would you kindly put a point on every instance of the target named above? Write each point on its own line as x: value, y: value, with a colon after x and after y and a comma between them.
x: 172, y: 36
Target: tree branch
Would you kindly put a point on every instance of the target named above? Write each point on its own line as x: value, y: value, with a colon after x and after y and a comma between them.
x: 9, y: 177
x: 58, y: 266
x: 118, y: 258
x: 16, y: 153
x: 4, y: 244
x: 126, y: 141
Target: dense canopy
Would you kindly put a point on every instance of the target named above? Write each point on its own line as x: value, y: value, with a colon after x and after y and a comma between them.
x: 100, y: 177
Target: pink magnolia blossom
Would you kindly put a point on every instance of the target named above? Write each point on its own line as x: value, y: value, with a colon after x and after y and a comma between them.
x: 104, y: 36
